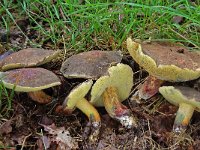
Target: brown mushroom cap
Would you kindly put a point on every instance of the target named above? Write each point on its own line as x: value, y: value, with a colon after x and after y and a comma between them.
x: 77, y: 94
x: 166, y: 62
x: 120, y: 77
x: 29, y: 79
x: 90, y: 65
x: 27, y: 58
x: 181, y: 94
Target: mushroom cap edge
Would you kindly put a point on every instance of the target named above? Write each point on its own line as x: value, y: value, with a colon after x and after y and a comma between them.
x: 181, y: 94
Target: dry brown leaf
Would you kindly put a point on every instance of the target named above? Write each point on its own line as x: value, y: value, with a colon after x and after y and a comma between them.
x: 61, y: 137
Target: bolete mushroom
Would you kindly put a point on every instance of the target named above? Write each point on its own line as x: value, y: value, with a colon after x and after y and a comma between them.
x: 93, y: 65
x: 163, y: 62
x: 76, y: 99
x: 113, y: 88
x: 188, y: 100
x: 90, y: 65
x: 31, y: 80
x: 30, y: 57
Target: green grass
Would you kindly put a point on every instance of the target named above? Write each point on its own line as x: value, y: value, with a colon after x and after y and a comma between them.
x: 104, y: 24
x: 6, y: 97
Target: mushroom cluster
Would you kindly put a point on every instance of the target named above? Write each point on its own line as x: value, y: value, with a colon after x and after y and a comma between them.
x: 187, y: 99
x: 163, y: 62
x: 17, y: 72
x: 173, y: 63
x: 113, y: 83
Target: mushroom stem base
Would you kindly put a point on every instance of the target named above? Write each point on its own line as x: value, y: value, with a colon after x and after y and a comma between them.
x: 40, y: 97
x: 150, y: 87
x: 183, y: 117
x: 93, y: 127
x: 116, y: 109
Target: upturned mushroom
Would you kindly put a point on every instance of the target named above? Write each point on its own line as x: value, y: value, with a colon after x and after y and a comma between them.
x: 96, y: 64
x: 30, y: 57
x: 77, y: 99
x: 113, y: 88
x: 163, y: 62
x: 31, y: 80
x: 187, y: 99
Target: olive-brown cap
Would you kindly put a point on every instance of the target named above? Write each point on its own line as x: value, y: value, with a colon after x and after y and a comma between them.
x: 77, y: 94
x: 120, y: 77
x: 90, y: 65
x: 29, y: 79
x: 166, y: 62
x: 181, y: 94
x: 27, y: 58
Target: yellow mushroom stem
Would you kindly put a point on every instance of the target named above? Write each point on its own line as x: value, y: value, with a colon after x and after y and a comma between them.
x: 89, y: 110
x: 112, y: 103
x: 40, y: 97
x: 94, y: 124
x: 150, y: 87
x: 183, y: 117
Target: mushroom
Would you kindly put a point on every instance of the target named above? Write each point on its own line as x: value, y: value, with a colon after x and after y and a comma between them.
x: 187, y: 99
x: 113, y: 88
x: 29, y: 57
x: 163, y: 62
x: 76, y: 99
x: 94, y: 65
x: 90, y: 65
x: 31, y: 80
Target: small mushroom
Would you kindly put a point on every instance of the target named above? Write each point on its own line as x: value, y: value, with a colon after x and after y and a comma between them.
x: 29, y: 57
x: 111, y: 89
x: 163, y: 62
x: 76, y: 99
x: 187, y: 99
x: 31, y: 80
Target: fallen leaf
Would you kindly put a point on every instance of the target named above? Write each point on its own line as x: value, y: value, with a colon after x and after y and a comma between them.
x: 61, y: 136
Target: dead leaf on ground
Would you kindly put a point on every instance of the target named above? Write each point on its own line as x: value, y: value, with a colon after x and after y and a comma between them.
x: 60, y: 136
